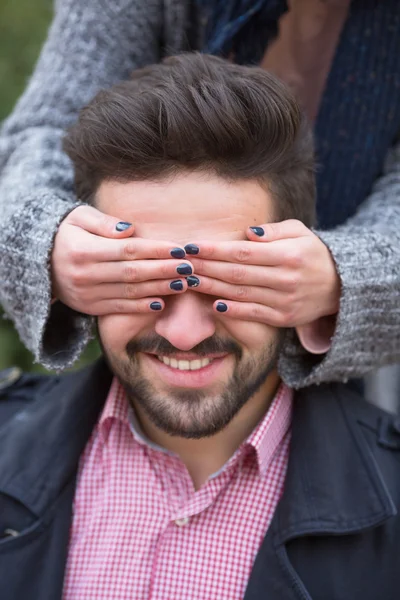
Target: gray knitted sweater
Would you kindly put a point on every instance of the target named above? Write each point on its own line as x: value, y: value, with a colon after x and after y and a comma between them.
x: 93, y: 44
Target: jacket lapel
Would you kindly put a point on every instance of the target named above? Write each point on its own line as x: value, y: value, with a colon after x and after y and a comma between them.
x: 46, y: 438
x: 333, y: 487
x: 333, y: 484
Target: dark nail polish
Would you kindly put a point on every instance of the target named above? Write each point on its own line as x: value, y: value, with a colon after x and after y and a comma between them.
x: 258, y: 231
x: 193, y: 281
x: 123, y: 225
x: 178, y: 253
x: 221, y: 307
x: 192, y: 249
x: 156, y: 306
x: 176, y: 285
x: 184, y: 269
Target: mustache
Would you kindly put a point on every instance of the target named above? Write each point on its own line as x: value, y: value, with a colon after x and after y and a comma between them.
x: 159, y: 345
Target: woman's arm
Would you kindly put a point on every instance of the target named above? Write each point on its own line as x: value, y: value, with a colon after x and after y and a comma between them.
x: 366, y: 250
x: 91, y: 44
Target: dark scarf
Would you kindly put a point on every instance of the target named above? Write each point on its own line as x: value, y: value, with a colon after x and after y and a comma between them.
x: 232, y: 23
x: 359, y: 116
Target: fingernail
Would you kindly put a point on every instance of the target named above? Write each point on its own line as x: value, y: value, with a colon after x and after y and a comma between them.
x: 178, y: 253
x: 193, y: 281
x: 156, y: 306
x: 176, y: 285
x: 258, y: 231
x: 122, y: 225
x: 184, y: 269
x: 191, y: 249
x: 221, y: 307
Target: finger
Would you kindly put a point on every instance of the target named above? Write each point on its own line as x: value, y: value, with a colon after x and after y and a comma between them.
x: 241, y: 252
x: 103, y: 250
x: 286, y: 252
x: 248, y: 311
x: 136, y: 271
x: 94, y: 221
x: 241, y: 293
x: 132, y: 291
x: 272, y: 277
x: 122, y: 306
x: 270, y: 232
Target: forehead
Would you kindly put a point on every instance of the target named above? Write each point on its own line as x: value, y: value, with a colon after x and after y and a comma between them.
x: 188, y: 206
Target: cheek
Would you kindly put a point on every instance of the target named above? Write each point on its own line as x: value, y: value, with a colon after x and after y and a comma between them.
x: 252, y: 336
x: 117, y: 330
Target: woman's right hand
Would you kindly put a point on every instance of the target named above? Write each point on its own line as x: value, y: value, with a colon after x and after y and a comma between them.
x: 98, y: 270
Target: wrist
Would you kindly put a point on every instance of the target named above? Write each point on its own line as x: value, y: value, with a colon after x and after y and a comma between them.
x: 316, y: 337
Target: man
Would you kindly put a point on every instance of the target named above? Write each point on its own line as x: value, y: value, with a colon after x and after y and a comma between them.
x: 182, y: 467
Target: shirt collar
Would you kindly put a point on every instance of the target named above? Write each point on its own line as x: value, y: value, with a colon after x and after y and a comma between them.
x: 272, y: 429
x: 115, y: 408
x: 264, y: 439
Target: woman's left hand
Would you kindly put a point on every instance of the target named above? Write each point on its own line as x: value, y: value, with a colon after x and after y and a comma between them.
x: 285, y: 277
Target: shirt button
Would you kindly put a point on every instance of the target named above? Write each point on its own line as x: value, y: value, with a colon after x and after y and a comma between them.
x: 182, y: 522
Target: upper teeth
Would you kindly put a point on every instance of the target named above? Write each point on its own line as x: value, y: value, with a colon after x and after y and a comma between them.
x: 185, y: 365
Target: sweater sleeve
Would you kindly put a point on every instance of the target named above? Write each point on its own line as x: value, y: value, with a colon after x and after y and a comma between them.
x: 366, y: 250
x: 91, y: 44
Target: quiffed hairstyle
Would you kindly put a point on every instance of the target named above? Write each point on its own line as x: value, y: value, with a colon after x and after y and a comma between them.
x: 197, y: 112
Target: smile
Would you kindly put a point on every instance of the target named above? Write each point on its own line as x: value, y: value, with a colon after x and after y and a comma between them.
x: 185, y: 365
x: 179, y: 371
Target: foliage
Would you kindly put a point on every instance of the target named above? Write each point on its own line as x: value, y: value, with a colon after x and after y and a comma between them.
x: 23, y: 26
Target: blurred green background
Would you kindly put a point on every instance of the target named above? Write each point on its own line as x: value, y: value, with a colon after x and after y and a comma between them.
x: 23, y: 27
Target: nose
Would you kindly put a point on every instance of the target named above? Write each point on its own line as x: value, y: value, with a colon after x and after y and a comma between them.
x: 186, y: 320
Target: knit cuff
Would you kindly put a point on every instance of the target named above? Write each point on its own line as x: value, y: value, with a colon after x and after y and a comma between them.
x: 54, y: 333
x: 366, y: 333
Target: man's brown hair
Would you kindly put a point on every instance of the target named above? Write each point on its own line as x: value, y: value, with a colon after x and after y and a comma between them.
x: 197, y: 112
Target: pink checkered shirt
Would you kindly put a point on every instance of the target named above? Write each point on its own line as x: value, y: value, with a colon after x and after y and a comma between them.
x: 141, y: 531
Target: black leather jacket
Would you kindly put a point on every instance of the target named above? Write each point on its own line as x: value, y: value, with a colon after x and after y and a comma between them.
x: 335, y: 534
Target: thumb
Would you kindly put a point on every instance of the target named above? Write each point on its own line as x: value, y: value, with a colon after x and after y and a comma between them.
x: 270, y: 232
x: 94, y: 221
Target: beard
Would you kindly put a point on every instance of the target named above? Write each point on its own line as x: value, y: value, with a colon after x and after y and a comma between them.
x: 189, y: 413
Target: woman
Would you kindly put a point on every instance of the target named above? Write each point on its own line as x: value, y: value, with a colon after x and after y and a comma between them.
x: 341, y: 58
